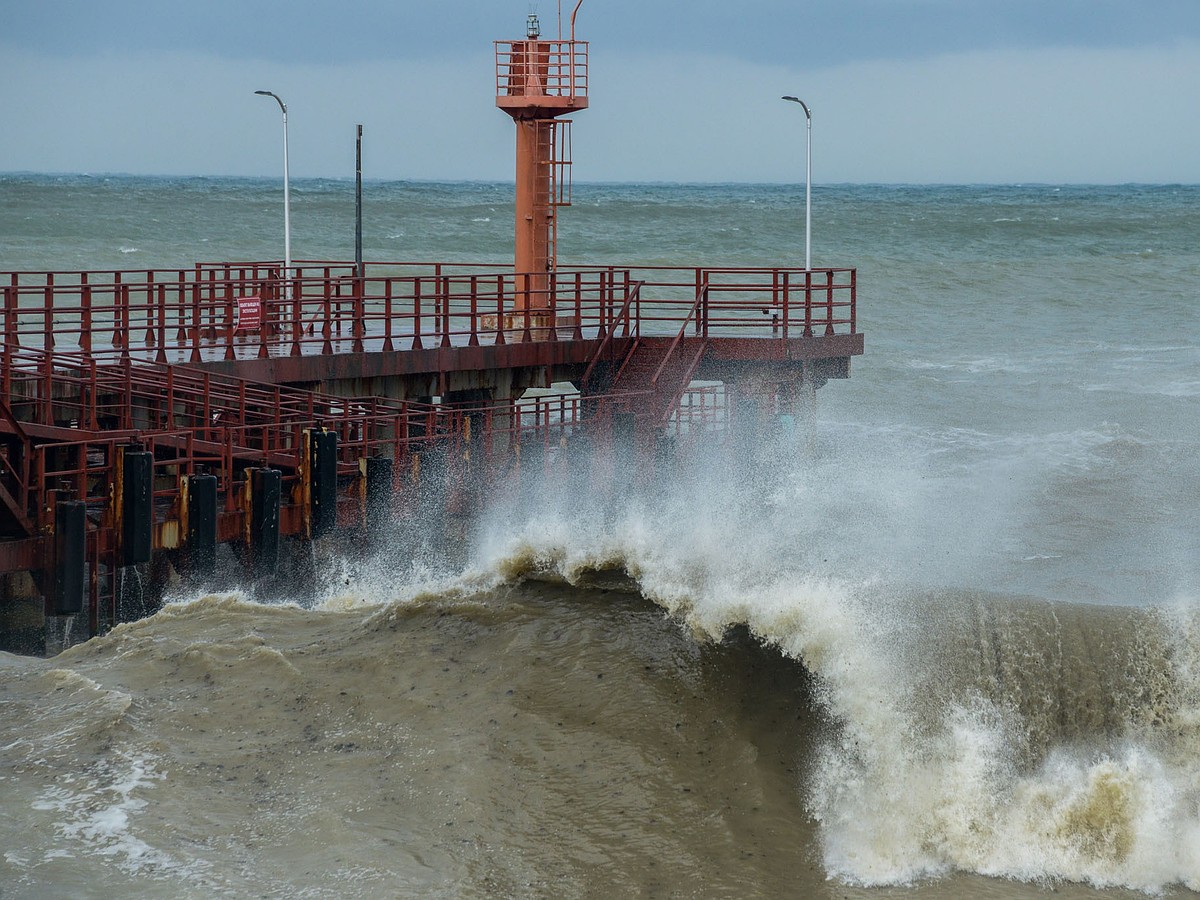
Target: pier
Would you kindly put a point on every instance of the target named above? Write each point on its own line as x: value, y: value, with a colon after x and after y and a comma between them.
x: 157, y: 424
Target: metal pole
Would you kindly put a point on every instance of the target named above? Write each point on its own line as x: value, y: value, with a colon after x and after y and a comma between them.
x: 807, y: 189
x: 287, y: 200
x: 358, y: 260
x: 807, y: 181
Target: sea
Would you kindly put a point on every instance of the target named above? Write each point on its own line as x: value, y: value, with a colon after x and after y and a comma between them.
x: 938, y: 638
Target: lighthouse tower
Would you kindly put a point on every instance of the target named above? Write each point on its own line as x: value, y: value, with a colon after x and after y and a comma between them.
x: 537, y: 81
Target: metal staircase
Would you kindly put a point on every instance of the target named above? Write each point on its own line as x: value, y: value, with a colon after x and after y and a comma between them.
x: 655, y: 375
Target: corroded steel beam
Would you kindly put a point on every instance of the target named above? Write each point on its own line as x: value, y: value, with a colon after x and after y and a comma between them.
x: 23, y: 555
x: 538, y: 354
x: 434, y: 361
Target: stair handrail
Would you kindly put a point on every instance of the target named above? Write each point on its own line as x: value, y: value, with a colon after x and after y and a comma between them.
x: 13, y: 422
x: 701, y: 328
x: 633, y: 296
x: 683, y: 383
x: 20, y: 477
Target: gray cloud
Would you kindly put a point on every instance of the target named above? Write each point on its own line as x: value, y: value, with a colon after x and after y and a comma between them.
x: 787, y: 32
x: 1104, y: 113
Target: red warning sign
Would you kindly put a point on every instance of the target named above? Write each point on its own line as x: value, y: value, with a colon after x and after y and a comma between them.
x: 249, y: 313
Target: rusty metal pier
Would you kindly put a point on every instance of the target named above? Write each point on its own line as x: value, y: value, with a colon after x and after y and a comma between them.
x: 150, y: 418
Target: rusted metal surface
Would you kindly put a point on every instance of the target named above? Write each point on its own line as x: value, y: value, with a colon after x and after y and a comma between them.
x: 536, y: 82
x: 22, y: 554
x: 552, y: 75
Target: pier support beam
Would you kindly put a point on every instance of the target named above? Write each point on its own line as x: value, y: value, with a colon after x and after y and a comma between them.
x: 135, y: 505
x: 319, y: 476
x: 200, y: 524
x: 68, y: 584
x: 264, y: 487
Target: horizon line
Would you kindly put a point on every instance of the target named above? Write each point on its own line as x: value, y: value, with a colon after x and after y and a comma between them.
x: 24, y: 173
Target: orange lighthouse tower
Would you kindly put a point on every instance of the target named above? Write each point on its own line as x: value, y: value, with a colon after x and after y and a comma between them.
x: 537, y: 81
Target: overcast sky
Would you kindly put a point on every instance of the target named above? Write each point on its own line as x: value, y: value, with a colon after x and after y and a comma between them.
x: 901, y: 90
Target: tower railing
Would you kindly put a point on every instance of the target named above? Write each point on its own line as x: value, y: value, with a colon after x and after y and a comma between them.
x: 536, y: 68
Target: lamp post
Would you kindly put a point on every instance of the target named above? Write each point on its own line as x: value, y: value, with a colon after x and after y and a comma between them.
x: 358, y: 260
x: 807, y: 181
x: 287, y: 213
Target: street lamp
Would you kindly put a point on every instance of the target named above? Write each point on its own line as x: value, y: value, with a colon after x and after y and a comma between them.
x: 287, y: 214
x: 807, y: 181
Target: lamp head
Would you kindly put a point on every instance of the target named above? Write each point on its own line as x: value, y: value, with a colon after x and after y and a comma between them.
x: 282, y: 105
x: 803, y: 105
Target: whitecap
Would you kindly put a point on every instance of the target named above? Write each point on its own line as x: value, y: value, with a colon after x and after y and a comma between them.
x: 97, y: 811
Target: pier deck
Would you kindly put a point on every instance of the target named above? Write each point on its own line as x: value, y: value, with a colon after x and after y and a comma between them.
x: 404, y: 394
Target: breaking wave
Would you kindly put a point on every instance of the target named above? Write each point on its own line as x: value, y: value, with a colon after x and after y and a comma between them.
x: 961, y: 730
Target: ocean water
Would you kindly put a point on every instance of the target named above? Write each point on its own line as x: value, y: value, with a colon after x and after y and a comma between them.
x: 942, y: 640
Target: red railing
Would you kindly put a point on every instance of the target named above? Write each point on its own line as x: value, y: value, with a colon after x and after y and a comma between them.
x: 536, y: 68
x: 193, y: 315
x: 194, y: 418
x: 703, y: 409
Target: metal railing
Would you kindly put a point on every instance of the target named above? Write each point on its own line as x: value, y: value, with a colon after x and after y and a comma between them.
x: 537, y: 68
x: 244, y: 311
x: 194, y: 420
